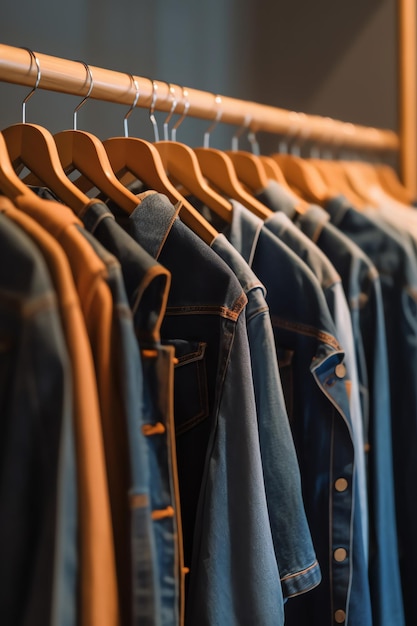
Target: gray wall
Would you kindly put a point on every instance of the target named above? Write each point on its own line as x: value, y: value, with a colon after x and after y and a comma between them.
x: 325, y: 57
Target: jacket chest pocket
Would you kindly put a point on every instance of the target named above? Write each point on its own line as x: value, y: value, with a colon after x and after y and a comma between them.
x: 191, y: 404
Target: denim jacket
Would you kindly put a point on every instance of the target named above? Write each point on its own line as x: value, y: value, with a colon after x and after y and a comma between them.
x: 233, y: 578
x: 38, y: 494
x: 314, y: 381
x: 331, y: 284
x: 157, y: 584
x: 394, y: 258
x: 295, y: 554
x: 362, y: 286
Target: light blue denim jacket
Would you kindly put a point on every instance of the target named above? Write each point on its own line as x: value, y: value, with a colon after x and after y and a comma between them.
x: 295, y: 554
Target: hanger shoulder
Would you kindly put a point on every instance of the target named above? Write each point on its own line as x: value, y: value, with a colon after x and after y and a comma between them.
x: 249, y: 169
x: 33, y: 146
x: 10, y: 183
x: 392, y: 184
x: 141, y: 158
x: 181, y: 162
x: 334, y: 176
x: 82, y: 151
x: 362, y: 179
x: 304, y: 177
x: 272, y: 169
x: 218, y: 168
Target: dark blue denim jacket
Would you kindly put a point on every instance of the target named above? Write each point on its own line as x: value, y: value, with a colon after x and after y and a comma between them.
x: 234, y: 578
x: 295, y: 554
x: 363, y: 287
x: 363, y: 291
x: 331, y: 284
x: 395, y: 260
x: 38, y: 513
x: 314, y: 383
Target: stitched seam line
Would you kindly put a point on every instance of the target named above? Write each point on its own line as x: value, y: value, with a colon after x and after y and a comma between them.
x: 301, y: 572
x: 304, y: 329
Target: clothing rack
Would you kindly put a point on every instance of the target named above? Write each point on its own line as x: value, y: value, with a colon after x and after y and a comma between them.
x: 70, y: 77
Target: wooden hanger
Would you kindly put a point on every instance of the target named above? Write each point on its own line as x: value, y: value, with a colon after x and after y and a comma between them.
x: 249, y: 169
x: 10, y: 183
x: 334, y: 176
x: 304, y: 178
x: 274, y: 172
x: 181, y: 163
x: 142, y: 159
x: 34, y: 147
x: 218, y: 167
x: 83, y: 152
x: 391, y: 184
x: 362, y: 178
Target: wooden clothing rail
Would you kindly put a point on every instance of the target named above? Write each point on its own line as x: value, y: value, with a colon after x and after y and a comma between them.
x: 62, y: 75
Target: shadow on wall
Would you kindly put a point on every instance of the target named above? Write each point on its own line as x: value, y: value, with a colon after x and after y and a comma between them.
x: 298, y: 45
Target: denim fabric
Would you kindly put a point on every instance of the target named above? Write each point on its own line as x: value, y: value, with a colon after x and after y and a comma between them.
x: 277, y: 198
x: 295, y: 554
x: 331, y: 284
x: 146, y: 284
x: 152, y: 578
x: 38, y: 562
x: 64, y: 603
x: 146, y: 281
x: 97, y: 583
x: 395, y: 262
x: 233, y: 577
x: 314, y: 382
x: 139, y: 548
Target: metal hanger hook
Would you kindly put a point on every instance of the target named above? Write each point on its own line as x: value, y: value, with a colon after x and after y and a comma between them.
x: 135, y: 101
x: 172, y: 96
x: 291, y: 132
x: 206, y: 141
x: 331, y: 145
x: 38, y: 80
x: 90, y: 89
x: 186, y: 102
x: 152, y: 109
x: 240, y: 131
x: 254, y: 144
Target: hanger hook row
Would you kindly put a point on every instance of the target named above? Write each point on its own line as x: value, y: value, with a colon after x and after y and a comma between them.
x: 152, y: 109
x: 90, y: 89
x: 218, y: 101
x: 172, y: 96
x: 38, y: 80
x: 180, y: 120
x: 134, y: 82
x: 239, y: 132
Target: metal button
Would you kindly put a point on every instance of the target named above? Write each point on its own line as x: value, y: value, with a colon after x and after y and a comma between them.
x: 341, y: 484
x: 339, y: 555
x: 340, y: 370
x: 339, y: 616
